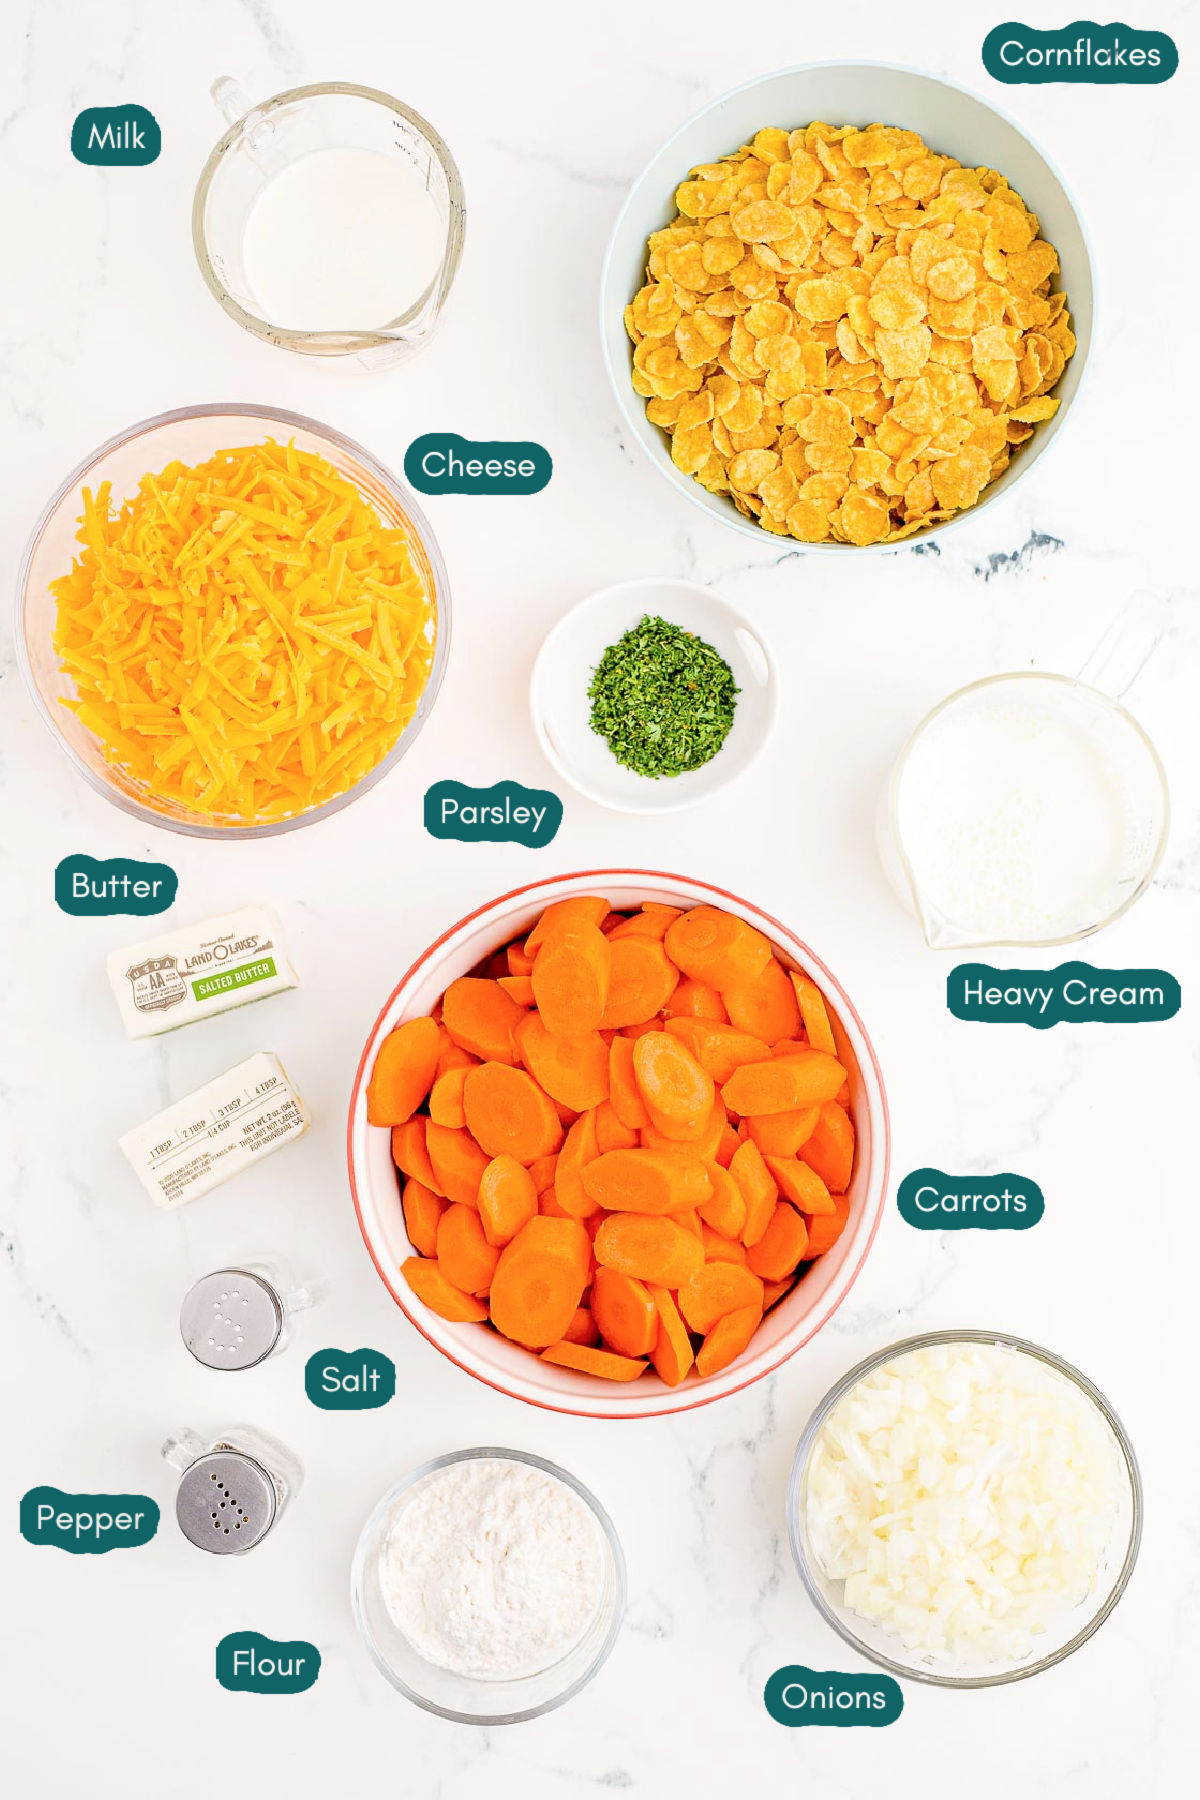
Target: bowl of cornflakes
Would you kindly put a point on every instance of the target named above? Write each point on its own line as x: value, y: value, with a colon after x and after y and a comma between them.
x: 847, y: 304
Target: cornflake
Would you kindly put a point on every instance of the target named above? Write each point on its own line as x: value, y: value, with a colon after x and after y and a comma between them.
x: 846, y: 332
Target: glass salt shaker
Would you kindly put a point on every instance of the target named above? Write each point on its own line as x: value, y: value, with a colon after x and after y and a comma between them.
x: 236, y: 1318
x: 232, y: 1487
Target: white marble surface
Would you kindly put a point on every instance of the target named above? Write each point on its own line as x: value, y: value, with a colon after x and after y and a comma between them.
x: 551, y: 110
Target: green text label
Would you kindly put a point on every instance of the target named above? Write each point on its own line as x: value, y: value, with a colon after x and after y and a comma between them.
x: 935, y: 1202
x: 87, y: 1524
x: 248, y: 1663
x: 798, y: 1696
x: 441, y: 463
x: 1083, y: 52
x: 1075, y: 991
x: 116, y: 136
x: 349, y: 1380
x: 505, y: 813
x: 89, y: 889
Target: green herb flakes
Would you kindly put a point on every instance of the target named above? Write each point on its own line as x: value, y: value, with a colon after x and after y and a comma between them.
x: 663, y: 699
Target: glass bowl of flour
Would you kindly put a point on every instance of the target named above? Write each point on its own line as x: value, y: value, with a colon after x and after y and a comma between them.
x: 489, y: 1586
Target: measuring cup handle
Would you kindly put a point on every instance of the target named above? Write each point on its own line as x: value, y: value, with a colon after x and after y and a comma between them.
x: 230, y: 99
x: 1127, y: 646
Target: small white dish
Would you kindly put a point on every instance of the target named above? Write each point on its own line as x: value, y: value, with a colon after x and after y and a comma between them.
x: 568, y: 658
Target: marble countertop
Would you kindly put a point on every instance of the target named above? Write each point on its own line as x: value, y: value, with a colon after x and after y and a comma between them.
x: 551, y: 111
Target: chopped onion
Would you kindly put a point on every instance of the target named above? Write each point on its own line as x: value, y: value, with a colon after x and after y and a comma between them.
x: 966, y: 1495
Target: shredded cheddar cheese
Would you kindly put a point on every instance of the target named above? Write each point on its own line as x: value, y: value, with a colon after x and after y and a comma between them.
x: 246, y: 638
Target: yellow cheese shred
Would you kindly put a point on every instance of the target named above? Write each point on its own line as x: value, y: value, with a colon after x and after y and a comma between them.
x: 246, y: 639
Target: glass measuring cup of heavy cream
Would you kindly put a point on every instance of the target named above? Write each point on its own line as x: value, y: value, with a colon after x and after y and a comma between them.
x: 1030, y: 808
x: 329, y: 220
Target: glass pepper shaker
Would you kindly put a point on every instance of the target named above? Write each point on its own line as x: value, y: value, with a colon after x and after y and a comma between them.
x: 232, y: 1488
x: 235, y: 1318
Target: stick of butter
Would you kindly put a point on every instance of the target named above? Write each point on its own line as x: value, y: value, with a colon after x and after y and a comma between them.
x: 204, y: 969
x: 199, y: 1142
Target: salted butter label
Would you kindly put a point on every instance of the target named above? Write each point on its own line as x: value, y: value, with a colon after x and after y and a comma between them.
x: 798, y: 1696
x: 87, y: 1524
x: 1074, y: 992
x: 349, y: 1380
x: 1104, y: 55
x: 505, y: 813
x: 441, y: 463
x: 931, y: 1201
x: 116, y: 136
x: 91, y: 889
x: 248, y: 1663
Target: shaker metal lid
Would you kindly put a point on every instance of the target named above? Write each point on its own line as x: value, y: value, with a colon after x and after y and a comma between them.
x: 231, y: 1319
x: 226, y: 1502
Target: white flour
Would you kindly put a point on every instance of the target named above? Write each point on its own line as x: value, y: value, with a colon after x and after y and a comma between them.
x: 492, y: 1568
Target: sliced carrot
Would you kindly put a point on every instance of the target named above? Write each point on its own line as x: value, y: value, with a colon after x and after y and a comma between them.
x: 774, y: 1291
x: 446, y: 1098
x: 611, y: 1134
x: 829, y: 1148
x: 782, y: 1246
x: 624, y: 1313
x: 403, y: 1072
x: 571, y: 976
x: 517, y: 987
x: 482, y: 1018
x: 429, y: 1284
x: 649, y: 1247
x: 721, y: 1249
x: 781, y: 1134
x: 690, y: 1221
x: 578, y: 909
x: 593, y: 1362
x: 507, y: 1199
x: 800, y: 1184
x: 672, y: 1354
x: 727, y: 1148
x: 410, y: 1152
x: 642, y: 980
x: 542, y: 1172
x: 719, y: 1049
x: 463, y: 1253
x: 783, y: 1084
x: 705, y: 1146
x: 727, y: 1339
x: 824, y: 1229
x: 422, y: 1210
x: 714, y: 946
x: 539, y: 1281
x: 678, y: 1094
x: 652, y: 921
x: 519, y: 963
x: 548, y: 1204
x: 758, y: 1189
x: 508, y: 1113
x: 579, y: 1149
x: 813, y: 1011
x: 582, y: 1329
x: 725, y: 1212
x: 716, y: 1289
x: 765, y: 1007
x: 457, y: 1162
x: 627, y: 1102
x: 646, y: 1181
x: 696, y: 1000
x: 573, y: 1071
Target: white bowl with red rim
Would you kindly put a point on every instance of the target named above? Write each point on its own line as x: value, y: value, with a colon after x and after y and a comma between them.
x: 520, y: 1373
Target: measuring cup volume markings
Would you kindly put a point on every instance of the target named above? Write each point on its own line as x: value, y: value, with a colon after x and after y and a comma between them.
x: 233, y: 1487
x: 1030, y: 808
x: 329, y: 220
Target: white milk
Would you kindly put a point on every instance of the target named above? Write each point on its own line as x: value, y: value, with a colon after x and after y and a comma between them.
x: 341, y: 240
x: 1011, y: 818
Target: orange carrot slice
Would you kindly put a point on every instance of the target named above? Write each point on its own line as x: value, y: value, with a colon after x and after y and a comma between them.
x: 696, y: 1000
x: 571, y: 974
x: 814, y: 1014
x: 642, y: 980
x: 579, y: 1149
x: 593, y: 1362
x: 765, y: 1007
x: 800, y: 1184
x: 725, y: 1212
x: 482, y: 1018
x: 582, y: 1329
x: 716, y: 1289
x: 624, y: 1313
x: 463, y: 1253
x: 646, y: 1181
x: 410, y: 1153
x: 782, y: 1246
x: 758, y: 1189
x: 652, y: 921
x: 611, y: 1134
x: 783, y: 1084
x: 403, y: 1072
x: 573, y: 1071
x: 577, y: 909
x: 539, y: 1281
x: 829, y: 1147
x: 715, y: 947
x: 672, y: 1354
x: 721, y: 1249
x: 781, y: 1134
x: 824, y: 1229
x: 429, y: 1284
x: 727, y: 1340
x: 457, y: 1162
x: 719, y: 1049
x: 649, y: 1247
x: 507, y: 1199
x: 627, y: 1102
x: 678, y: 1094
x: 422, y: 1210
x: 446, y: 1098
x: 508, y: 1114
x: 517, y: 987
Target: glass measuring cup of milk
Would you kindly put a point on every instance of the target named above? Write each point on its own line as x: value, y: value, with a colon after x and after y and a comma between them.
x: 1030, y: 808
x: 329, y: 220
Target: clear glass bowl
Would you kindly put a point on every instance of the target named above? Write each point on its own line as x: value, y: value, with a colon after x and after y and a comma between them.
x: 192, y: 434
x: 468, y: 1699
x: 884, y: 1647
